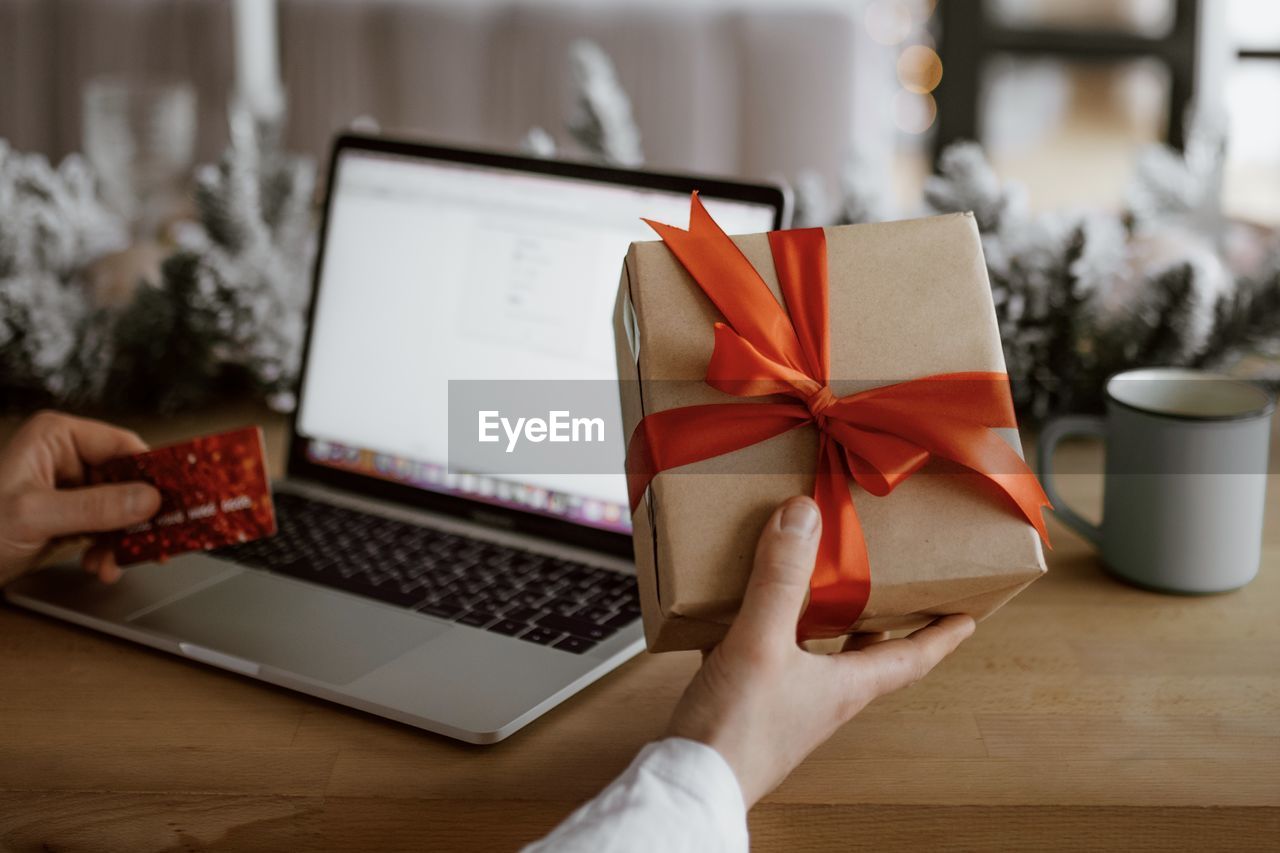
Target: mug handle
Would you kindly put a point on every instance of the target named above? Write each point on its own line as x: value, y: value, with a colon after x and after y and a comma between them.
x: 1054, y: 432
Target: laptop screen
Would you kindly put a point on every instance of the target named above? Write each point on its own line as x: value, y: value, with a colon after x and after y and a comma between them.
x: 435, y: 271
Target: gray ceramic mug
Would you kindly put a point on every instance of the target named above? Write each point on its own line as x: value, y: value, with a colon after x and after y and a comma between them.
x: 1186, y: 478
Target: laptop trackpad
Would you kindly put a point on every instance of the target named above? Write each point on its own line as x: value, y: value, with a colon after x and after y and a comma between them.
x: 292, y: 626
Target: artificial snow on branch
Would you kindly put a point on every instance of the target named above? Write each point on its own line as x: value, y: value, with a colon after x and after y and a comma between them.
x: 601, y: 120
x: 1081, y: 295
x: 234, y: 294
x: 538, y: 143
x: 1078, y: 295
x: 53, y: 226
x: 224, y: 315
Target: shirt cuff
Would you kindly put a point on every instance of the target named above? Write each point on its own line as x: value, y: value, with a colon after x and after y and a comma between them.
x: 705, y: 776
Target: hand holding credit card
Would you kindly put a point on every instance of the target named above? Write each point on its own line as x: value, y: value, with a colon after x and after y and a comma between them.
x: 214, y: 492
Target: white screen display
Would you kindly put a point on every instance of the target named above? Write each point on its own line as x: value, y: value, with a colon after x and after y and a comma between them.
x: 435, y: 271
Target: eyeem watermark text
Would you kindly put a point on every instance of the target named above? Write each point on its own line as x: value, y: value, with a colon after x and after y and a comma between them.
x: 558, y: 426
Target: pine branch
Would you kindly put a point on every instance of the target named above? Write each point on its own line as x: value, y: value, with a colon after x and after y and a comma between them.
x: 163, y: 362
x: 52, y: 225
x: 227, y: 198
x: 866, y: 193
x: 601, y: 121
x: 1044, y: 312
x: 537, y: 142
x: 809, y: 198
x: 1155, y: 333
x: 1067, y: 304
x: 966, y: 182
x: 1247, y: 317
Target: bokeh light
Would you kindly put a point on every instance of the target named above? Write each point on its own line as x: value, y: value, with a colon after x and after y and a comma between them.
x: 914, y: 112
x: 888, y: 22
x: 919, y: 69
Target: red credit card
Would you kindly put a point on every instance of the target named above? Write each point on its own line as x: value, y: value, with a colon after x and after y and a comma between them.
x: 213, y: 492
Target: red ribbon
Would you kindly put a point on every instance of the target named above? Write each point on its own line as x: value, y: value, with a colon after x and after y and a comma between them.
x: 879, y: 437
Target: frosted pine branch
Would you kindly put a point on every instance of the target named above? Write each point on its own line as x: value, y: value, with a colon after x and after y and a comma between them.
x: 601, y: 121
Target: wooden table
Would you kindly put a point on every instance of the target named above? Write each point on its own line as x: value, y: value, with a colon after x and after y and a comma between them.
x: 1084, y: 715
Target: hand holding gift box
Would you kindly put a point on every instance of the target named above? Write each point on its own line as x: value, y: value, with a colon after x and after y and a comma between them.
x: 928, y: 507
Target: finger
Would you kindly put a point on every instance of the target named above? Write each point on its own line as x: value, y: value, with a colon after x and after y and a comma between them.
x: 856, y: 642
x: 894, y: 664
x: 91, y: 560
x: 91, y: 509
x: 96, y: 442
x: 110, y: 572
x: 99, y: 560
x: 780, y: 579
x: 76, y: 442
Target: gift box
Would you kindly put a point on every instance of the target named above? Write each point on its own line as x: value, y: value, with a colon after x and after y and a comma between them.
x: 860, y: 364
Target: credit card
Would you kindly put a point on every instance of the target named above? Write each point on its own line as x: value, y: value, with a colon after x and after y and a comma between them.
x: 214, y: 491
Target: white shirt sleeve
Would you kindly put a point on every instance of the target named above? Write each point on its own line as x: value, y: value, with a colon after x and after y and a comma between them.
x: 677, y: 795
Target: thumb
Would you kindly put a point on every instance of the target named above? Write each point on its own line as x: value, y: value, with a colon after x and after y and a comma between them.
x: 91, y: 509
x: 780, y: 579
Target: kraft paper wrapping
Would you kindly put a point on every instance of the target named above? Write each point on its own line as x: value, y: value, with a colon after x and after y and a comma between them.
x: 907, y: 299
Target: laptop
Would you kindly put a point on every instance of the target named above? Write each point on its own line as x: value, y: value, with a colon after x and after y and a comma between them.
x: 466, y: 603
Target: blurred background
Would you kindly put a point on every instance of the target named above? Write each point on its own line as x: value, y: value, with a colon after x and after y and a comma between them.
x: 1158, y: 115
x: 1061, y: 92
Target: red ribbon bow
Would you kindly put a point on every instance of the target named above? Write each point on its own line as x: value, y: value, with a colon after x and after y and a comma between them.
x: 879, y: 437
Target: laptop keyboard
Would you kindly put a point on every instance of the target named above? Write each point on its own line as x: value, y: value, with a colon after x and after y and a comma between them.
x: 536, y: 598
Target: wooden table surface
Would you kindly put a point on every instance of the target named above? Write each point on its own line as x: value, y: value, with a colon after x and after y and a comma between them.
x: 1084, y: 715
